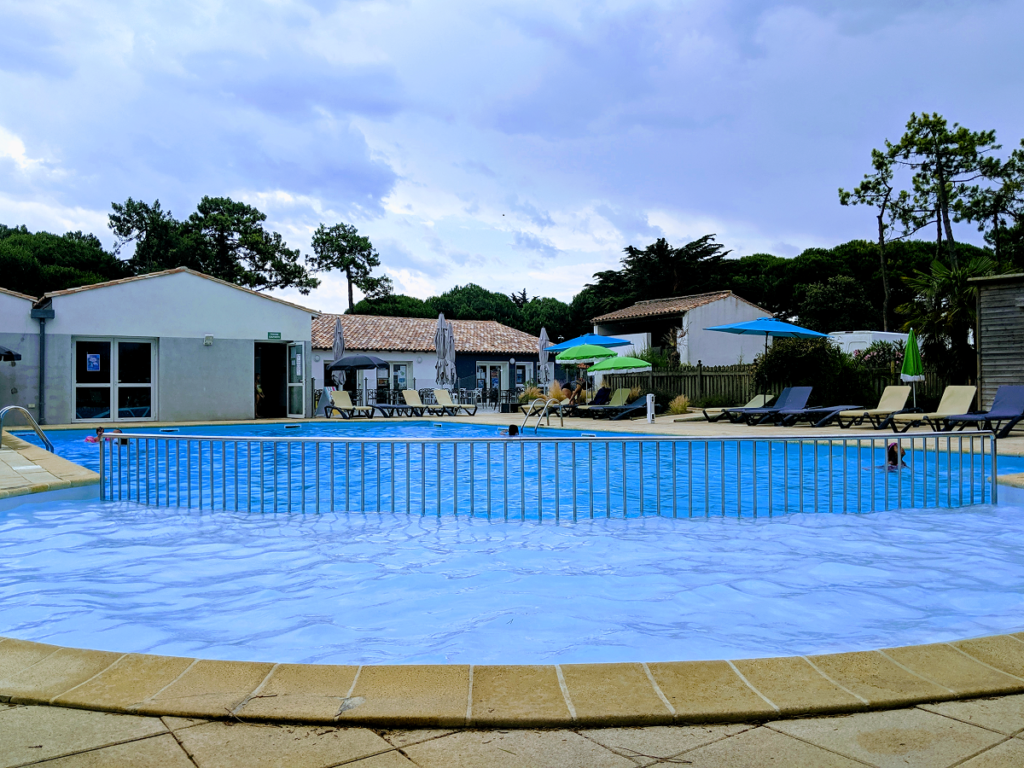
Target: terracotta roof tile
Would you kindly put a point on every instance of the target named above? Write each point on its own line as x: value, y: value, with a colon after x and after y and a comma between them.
x: 368, y: 333
x: 671, y: 306
x: 16, y: 295
x: 174, y: 271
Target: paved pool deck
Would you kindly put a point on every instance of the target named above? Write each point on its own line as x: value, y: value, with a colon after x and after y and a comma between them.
x: 944, y: 704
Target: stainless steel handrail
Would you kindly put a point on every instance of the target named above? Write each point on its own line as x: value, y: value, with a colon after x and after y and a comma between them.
x: 760, y: 474
x: 31, y: 421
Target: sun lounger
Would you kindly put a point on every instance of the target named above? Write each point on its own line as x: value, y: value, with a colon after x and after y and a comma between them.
x: 617, y: 400
x: 956, y: 400
x: 737, y: 415
x: 1008, y: 406
x: 342, y: 403
x: 817, y: 417
x: 717, y: 414
x: 791, y: 398
x: 413, y: 401
x: 892, y: 401
x: 444, y: 399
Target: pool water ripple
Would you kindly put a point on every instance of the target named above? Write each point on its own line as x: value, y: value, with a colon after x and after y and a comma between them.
x: 353, y: 588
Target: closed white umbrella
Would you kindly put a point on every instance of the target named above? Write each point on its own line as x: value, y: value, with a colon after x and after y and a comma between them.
x: 453, y: 375
x: 542, y: 354
x: 440, y: 347
x: 338, y: 351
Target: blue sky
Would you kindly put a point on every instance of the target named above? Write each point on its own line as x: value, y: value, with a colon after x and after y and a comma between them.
x: 511, y: 144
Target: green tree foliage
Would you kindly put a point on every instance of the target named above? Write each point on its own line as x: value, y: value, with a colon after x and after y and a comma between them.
x: 997, y: 208
x: 341, y: 247
x: 40, y: 262
x: 394, y: 305
x: 945, y: 163
x: 839, y: 303
x: 222, y: 238
x: 943, y: 311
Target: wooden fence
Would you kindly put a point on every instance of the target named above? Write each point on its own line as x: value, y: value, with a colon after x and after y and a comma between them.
x: 735, y: 383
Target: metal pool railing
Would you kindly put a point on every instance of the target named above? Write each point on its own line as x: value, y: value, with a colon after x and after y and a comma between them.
x: 550, y: 477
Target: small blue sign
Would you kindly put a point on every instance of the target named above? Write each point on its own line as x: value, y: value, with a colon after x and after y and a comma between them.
x: 92, y: 362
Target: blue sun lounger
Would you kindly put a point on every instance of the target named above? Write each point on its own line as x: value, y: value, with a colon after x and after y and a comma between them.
x: 792, y: 398
x: 817, y: 417
x: 1008, y: 406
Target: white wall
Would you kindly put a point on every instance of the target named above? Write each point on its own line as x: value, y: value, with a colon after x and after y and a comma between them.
x: 715, y: 347
x: 178, y: 305
x: 423, y: 372
x: 14, y: 317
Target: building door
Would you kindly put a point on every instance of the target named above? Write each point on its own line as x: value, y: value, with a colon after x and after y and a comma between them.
x: 491, y: 376
x: 296, y: 383
x: 114, y: 379
x: 399, y: 376
x: 134, y: 380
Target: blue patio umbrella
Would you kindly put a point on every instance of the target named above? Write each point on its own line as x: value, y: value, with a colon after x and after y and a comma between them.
x: 768, y: 326
x: 589, y: 338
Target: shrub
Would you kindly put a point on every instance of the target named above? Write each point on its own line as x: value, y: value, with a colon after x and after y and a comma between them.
x: 714, y: 401
x: 634, y: 394
x: 680, y: 404
x: 835, y: 376
x: 555, y: 391
x: 882, y: 354
x: 530, y: 394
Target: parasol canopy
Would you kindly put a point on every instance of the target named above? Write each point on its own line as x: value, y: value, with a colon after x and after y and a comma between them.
x: 584, y: 353
x: 440, y: 347
x: 592, y: 339
x: 621, y: 364
x: 768, y: 326
x: 358, y: 363
x: 338, y: 352
x: 543, y: 344
x: 913, y: 368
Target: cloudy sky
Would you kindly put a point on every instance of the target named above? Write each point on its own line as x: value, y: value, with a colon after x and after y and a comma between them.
x: 511, y: 144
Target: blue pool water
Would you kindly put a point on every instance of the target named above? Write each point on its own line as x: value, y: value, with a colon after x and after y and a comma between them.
x: 338, y: 587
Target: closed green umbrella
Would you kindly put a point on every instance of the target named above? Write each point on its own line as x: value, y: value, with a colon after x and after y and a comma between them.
x: 584, y: 353
x: 913, y: 368
x: 621, y: 364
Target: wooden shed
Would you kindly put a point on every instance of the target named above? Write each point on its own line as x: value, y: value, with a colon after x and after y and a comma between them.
x: 1000, y: 333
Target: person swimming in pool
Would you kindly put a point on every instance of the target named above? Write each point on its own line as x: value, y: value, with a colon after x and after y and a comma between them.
x: 512, y: 431
x: 894, y: 458
x: 99, y: 436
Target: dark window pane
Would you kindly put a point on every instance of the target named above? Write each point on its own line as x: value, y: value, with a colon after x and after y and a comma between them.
x: 92, y: 402
x: 92, y: 362
x: 134, y: 362
x: 133, y: 402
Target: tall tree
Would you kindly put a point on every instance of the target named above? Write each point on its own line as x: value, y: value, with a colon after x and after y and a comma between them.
x: 156, y: 233
x: 945, y: 162
x: 997, y: 207
x: 341, y: 247
x: 36, y: 263
x: 876, y: 190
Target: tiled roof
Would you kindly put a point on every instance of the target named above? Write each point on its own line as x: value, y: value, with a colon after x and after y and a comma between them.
x: 416, y: 334
x: 17, y: 295
x: 676, y: 305
x: 174, y: 271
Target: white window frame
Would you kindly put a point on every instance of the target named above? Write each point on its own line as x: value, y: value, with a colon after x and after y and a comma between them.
x: 114, y: 384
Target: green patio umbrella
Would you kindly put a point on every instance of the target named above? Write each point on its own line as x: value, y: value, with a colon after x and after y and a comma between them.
x: 584, y: 353
x: 620, y: 364
x: 913, y: 369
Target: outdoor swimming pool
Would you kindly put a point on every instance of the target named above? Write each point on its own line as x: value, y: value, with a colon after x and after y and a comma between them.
x: 394, y: 588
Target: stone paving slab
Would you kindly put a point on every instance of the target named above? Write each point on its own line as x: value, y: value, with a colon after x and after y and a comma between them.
x: 26, y: 468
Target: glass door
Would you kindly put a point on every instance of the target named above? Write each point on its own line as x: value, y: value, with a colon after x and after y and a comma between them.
x: 93, y: 379
x: 296, y: 383
x: 399, y: 376
x: 134, y: 380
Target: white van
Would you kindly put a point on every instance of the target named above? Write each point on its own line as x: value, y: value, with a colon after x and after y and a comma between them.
x: 855, y: 341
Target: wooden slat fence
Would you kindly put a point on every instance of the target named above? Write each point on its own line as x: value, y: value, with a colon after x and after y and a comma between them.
x: 736, y: 382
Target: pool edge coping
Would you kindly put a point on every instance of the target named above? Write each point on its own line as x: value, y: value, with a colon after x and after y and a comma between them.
x: 512, y: 696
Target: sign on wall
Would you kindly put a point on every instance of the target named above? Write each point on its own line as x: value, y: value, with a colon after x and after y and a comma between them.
x: 92, y: 362
x: 274, y: 335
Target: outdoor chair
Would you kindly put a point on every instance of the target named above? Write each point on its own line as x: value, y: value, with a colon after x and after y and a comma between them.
x: 414, y: 402
x: 817, y: 417
x: 892, y: 401
x: 341, y: 402
x: 617, y: 400
x: 717, y: 414
x: 1008, y: 406
x: 444, y: 400
x: 792, y: 398
x: 955, y: 400
x: 737, y: 415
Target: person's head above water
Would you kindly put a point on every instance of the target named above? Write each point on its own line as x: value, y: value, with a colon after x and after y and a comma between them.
x: 894, y: 454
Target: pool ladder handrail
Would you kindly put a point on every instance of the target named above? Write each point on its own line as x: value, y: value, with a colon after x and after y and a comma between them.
x: 541, y: 414
x: 31, y: 421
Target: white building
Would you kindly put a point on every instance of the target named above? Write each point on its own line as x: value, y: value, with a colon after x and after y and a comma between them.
x: 169, y: 346
x: 656, y: 323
